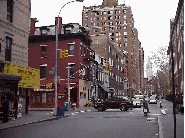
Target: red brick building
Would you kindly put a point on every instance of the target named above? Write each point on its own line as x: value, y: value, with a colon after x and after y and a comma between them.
x: 42, y: 47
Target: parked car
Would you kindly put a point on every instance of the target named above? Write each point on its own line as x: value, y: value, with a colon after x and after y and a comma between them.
x: 136, y: 102
x: 153, y: 100
x: 115, y: 102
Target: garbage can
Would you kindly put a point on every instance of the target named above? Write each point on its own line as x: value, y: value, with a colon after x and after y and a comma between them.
x: 65, y: 106
x: 60, y: 111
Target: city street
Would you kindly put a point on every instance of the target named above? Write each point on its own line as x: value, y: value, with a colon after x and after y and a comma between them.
x: 109, y: 124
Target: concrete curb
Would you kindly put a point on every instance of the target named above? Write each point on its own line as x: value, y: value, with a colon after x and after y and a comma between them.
x: 160, y: 128
x: 49, y: 119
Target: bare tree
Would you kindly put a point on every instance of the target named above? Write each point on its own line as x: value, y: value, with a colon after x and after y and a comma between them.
x: 160, y: 61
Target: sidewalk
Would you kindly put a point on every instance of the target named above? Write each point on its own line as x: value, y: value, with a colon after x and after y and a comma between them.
x: 39, y: 116
x: 166, y: 122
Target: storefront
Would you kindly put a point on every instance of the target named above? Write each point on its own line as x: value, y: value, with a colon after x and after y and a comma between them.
x: 29, y: 79
x: 8, y: 88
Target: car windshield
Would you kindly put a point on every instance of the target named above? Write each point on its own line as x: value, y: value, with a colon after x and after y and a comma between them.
x: 152, y: 98
x: 136, y: 100
x: 139, y: 96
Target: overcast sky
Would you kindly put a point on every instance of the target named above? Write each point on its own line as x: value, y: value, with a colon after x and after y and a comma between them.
x: 152, y: 17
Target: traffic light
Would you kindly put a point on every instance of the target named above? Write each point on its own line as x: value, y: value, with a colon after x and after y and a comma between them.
x: 62, y: 54
x: 110, y: 67
x: 65, y: 91
x: 107, y: 67
x: 65, y: 53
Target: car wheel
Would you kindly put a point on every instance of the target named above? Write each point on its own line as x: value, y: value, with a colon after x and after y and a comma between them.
x: 123, y: 108
x: 100, y: 108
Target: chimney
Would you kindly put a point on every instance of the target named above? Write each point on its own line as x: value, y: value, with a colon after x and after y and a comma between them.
x: 110, y: 2
x: 60, y: 24
x: 32, y: 26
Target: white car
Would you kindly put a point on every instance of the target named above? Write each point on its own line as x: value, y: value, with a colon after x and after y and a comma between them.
x: 153, y: 100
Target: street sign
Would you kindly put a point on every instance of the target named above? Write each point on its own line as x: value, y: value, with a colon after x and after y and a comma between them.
x: 51, y: 72
x: 52, y: 68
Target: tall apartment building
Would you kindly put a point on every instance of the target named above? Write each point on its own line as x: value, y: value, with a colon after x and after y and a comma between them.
x: 117, y: 22
x: 177, y: 41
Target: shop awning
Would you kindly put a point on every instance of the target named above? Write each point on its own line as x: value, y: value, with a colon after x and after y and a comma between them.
x: 104, y: 87
x: 7, y: 76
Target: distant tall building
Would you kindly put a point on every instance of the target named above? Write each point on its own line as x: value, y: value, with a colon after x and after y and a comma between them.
x: 117, y: 22
x: 149, y: 71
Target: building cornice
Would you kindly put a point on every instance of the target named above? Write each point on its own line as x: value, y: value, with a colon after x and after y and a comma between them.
x: 47, y: 38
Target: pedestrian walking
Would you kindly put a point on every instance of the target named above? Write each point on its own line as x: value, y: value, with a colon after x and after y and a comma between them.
x: 176, y: 105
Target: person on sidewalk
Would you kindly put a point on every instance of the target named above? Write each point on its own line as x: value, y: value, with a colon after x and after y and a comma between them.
x: 5, y: 104
x: 176, y: 105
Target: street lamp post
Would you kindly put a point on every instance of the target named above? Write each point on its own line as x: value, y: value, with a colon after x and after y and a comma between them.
x: 55, y: 78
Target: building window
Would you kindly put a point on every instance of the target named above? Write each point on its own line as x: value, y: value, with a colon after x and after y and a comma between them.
x: 84, y: 51
x: 96, y: 19
x: 125, y: 33
x: 10, y: 10
x: 82, y: 95
x: 96, y: 30
x: 109, y: 49
x: 71, y: 47
x: 42, y: 71
x: 8, y: 49
x: 110, y: 17
x: 72, y: 70
x: 125, y: 16
x: 125, y: 38
x: 125, y: 44
x: 110, y: 12
x: 80, y: 49
x: 124, y: 11
x: 96, y: 24
x: 110, y: 23
x: 43, y: 51
x: 111, y: 34
x: 125, y: 27
x: 96, y: 13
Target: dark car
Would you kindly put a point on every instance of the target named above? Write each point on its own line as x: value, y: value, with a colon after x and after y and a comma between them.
x: 115, y: 102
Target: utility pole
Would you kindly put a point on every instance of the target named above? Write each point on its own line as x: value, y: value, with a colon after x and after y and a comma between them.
x: 68, y: 82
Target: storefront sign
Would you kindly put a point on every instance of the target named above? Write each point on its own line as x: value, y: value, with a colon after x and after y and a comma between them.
x: 30, y: 76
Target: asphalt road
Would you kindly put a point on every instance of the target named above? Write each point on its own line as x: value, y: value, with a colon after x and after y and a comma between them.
x: 109, y: 124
